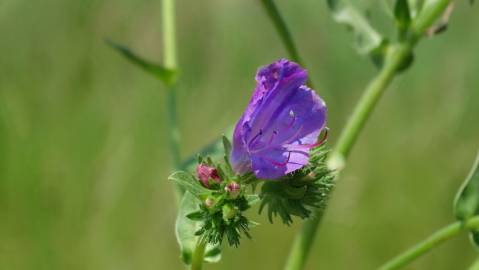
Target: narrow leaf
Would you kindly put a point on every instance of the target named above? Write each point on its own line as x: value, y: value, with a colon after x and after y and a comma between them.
x: 367, y: 38
x: 168, y: 76
x: 226, y: 145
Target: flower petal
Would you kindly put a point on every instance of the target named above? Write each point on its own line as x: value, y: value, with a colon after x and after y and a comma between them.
x: 280, y: 125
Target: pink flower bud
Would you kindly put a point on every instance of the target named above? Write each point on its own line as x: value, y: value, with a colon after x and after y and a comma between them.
x: 233, y: 189
x: 205, y: 173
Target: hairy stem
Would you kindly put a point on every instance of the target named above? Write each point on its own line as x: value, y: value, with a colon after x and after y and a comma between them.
x: 433, y: 241
x: 198, y: 255
x: 283, y: 32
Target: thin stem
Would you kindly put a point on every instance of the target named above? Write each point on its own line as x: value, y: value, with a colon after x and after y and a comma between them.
x: 367, y: 103
x: 304, y: 240
x: 169, y: 34
x: 198, y: 255
x: 283, y: 31
x: 170, y: 62
x: 433, y: 241
x: 398, y: 54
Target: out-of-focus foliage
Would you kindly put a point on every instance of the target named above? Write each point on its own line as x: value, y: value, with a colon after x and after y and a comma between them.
x: 83, y: 155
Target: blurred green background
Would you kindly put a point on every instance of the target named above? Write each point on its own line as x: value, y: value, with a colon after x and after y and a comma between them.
x: 84, y: 157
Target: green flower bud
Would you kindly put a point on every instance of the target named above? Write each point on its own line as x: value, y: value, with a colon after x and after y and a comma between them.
x: 229, y: 212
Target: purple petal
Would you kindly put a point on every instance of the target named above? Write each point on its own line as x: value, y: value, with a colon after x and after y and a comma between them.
x: 240, y: 159
x: 280, y: 125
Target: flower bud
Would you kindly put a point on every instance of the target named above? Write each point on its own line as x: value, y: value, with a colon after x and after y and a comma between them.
x: 209, y: 202
x: 233, y: 189
x: 228, y: 211
x: 205, y: 172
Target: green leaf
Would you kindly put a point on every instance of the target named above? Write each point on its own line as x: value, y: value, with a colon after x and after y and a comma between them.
x: 189, y: 183
x: 226, y: 145
x: 367, y: 38
x: 166, y: 75
x: 466, y: 204
x: 402, y: 15
x: 186, y: 228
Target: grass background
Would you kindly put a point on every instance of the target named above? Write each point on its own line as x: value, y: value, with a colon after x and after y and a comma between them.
x: 83, y: 153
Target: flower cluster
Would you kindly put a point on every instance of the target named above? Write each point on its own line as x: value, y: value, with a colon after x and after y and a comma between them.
x: 278, y: 143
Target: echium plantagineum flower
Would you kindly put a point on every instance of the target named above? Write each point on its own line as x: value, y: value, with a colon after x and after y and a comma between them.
x: 280, y: 125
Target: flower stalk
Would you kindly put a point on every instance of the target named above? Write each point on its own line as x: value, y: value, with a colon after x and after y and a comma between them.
x: 431, y: 242
x: 170, y: 62
x: 198, y: 255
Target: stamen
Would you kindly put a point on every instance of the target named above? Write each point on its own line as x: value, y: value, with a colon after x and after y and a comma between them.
x: 272, y: 136
x: 260, y: 133
x: 279, y: 164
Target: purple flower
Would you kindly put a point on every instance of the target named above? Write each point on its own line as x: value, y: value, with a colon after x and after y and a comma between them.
x: 280, y: 125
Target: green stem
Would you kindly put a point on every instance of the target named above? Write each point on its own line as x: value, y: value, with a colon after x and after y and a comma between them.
x: 304, y: 240
x: 198, y: 255
x: 170, y: 62
x: 433, y: 241
x: 169, y: 31
x: 396, y: 57
x: 283, y: 31
x: 367, y: 103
